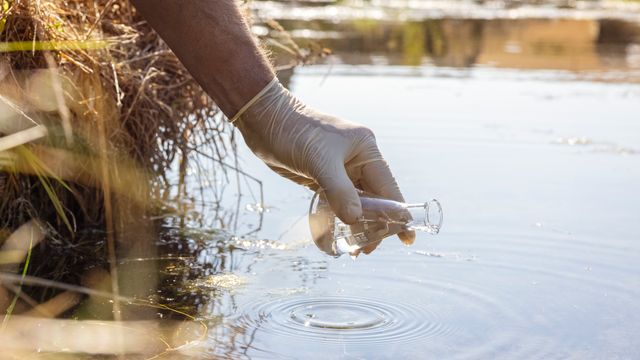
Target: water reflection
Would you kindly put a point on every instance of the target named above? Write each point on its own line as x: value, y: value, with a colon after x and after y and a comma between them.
x: 563, y: 44
x: 502, y: 281
x: 538, y: 259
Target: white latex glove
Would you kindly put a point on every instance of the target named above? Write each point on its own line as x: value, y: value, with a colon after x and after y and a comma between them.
x: 317, y: 150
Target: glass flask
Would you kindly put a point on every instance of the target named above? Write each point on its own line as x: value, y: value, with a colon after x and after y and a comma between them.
x: 380, y: 219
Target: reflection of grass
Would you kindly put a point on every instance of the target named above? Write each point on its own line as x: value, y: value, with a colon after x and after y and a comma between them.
x: 413, y: 37
x: 436, y: 41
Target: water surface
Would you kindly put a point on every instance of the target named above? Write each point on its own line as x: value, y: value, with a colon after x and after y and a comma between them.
x: 536, y: 160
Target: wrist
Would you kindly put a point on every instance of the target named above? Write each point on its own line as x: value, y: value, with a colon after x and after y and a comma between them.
x: 272, y: 104
x: 243, y: 114
x: 240, y: 89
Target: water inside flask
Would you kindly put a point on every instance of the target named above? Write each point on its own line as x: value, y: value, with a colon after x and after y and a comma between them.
x: 381, y: 218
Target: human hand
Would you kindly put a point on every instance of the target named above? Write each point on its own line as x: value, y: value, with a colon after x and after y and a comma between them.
x: 318, y: 151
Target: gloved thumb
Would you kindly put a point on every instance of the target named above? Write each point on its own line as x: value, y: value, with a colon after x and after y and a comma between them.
x: 377, y: 178
x: 341, y: 193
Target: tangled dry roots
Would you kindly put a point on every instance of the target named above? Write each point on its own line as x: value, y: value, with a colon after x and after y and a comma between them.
x: 94, y: 108
x: 119, y: 109
x: 130, y: 90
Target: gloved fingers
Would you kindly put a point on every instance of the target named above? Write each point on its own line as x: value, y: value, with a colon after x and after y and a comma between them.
x: 377, y: 179
x: 368, y: 249
x: 407, y: 237
x: 296, y: 178
x: 340, y: 192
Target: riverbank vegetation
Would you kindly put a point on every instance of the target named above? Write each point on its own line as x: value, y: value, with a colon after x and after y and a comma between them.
x: 100, y: 127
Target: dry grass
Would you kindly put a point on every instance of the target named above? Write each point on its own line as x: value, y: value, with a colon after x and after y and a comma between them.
x: 115, y: 93
x: 94, y: 108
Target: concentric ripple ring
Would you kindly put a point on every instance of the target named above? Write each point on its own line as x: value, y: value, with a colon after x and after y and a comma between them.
x: 347, y: 319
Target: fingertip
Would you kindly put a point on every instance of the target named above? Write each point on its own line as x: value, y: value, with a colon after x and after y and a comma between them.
x: 377, y: 178
x: 370, y: 248
x: 350, y: 211
x: 407, y: 237
x: 341, y: 194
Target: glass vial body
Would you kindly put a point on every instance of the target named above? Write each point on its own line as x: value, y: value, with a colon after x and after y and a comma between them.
x: 380, y: 219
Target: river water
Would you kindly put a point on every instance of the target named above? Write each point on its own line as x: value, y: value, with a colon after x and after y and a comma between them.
x: 529, y: 136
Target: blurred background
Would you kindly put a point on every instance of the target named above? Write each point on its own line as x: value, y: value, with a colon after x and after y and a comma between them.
x: 577, y: 36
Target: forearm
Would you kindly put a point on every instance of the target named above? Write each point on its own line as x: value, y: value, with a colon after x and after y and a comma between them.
x: 213, y: 42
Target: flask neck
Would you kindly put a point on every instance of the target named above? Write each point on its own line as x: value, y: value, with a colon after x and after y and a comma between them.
x: 425, y: 216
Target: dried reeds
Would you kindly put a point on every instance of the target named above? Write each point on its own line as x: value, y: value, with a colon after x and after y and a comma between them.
x: 94, y: 108
x: 107, y: 70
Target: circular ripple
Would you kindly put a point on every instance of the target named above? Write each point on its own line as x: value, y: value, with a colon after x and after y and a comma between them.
x: 335, y: 315
x: 347, y: 319
x: 513, y: 301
